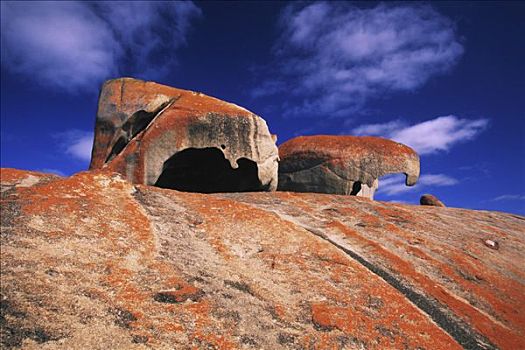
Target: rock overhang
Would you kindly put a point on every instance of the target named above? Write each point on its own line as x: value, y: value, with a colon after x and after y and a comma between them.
x: 343, y: 164
x: 140, y: 125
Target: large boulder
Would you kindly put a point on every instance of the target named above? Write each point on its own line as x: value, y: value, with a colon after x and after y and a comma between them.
x: 159, y: 135
x: 348, y: 165
x: 94, y: 262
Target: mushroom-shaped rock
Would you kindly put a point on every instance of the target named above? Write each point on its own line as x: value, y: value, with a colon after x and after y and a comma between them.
x: 431, y: 200
x: 343, y: 164
x: 159, y: 135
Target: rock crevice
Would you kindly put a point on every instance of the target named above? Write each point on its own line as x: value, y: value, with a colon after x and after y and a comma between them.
x: 138, y: 122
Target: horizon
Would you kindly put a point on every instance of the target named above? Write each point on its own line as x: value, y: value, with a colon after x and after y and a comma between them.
x: 446, y: 79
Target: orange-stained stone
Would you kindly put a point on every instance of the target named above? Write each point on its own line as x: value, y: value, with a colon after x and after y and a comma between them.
x: 343, y: 164
x: 141, y: 125
x: 84, y: 257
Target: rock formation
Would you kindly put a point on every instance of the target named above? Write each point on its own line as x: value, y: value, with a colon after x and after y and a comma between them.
x: 428, y: 199
x: 95, y: 262
x: 343, y: 164
x: 159, y: 135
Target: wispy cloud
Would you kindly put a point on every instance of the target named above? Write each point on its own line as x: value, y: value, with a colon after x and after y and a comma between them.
x: 268, y: 87
x: 509, y: 197
x: 437, y: 180
x: 395, y: 184
x: 76, y: 144
x: 74, y: 45
x: 430, y: 136
x: 337, y: 56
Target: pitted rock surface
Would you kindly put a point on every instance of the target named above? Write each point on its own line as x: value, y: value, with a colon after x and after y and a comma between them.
x: 431, y: 200
x: 142, y: 127
x: 343, y: 164
x: 95, y: 262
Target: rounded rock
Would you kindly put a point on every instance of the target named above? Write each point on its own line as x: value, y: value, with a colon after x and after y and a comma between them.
x: 349, y: 165
x: 430, y: 200
x: 160, y: 135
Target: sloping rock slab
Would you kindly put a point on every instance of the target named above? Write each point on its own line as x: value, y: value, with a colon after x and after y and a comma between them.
x: 92, y: 261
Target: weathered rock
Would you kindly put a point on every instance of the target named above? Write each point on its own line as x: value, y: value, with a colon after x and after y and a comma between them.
x: 431, y: 200
x: 343, y: 164
x: 92, y: 261
x: 159, y: 135
x: 491, y: 244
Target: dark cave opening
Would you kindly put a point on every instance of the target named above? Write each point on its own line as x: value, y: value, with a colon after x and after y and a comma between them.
x: 356, y: 187
x: 205, y: 170
x: 117, y: 148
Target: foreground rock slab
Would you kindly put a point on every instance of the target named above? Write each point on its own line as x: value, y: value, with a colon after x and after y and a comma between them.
x: 348, y: 165
x: 159, y: 135
x: 94, y: 262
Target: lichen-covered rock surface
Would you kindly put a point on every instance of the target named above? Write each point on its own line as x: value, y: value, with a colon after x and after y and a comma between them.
x: 141, y: 125
x: 343, y: 164
x: 95, y: 262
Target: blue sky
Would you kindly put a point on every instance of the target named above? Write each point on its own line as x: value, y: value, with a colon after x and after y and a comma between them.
x: 446, y: 78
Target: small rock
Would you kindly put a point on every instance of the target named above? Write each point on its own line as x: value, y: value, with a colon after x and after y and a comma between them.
x: 491, y: 244
x: 431, y: 200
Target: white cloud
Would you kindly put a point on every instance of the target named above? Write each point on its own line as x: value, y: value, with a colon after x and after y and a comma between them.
x: 427, y: 137
x: 76, y: 143
x: 63, y: 44
x: 74, y: 45
x: 379, y: 129
x: 81, y: 148
x: 395, y: 184
x: 509, y: 197
x: 338, y: 56
x: 437, y: 180
x: 268, y: 87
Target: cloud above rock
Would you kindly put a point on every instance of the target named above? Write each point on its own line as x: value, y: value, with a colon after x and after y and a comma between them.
x: 73, y: 45
x: 76, y: 144
x: 393, y: 185
x: 510, y: 197
x: 427, y: 137
x: 336, y: 56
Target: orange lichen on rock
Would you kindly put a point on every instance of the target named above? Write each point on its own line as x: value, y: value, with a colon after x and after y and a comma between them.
x: 127, y: 96
x: 23, y: 178
x: 220, y: 214
x: 428, y: 248
x: 150, y: 133
x: 93, y: 261
x: 340, y: 147
x: 343, y: 164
